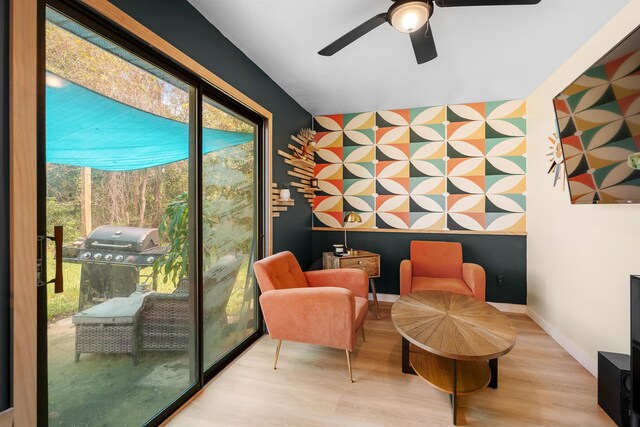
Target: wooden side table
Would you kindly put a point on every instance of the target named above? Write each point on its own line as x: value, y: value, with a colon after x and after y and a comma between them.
x: 363, y: 260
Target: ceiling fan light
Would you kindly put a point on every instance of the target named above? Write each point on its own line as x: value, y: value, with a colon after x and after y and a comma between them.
x: 409, y: 16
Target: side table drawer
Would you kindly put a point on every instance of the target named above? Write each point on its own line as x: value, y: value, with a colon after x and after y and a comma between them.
x: 369, y: 265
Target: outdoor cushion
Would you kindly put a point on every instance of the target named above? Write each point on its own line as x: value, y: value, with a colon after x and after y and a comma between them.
x: 116, y: 311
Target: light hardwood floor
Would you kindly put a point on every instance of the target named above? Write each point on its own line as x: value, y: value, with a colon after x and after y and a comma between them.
x: 539, y: 385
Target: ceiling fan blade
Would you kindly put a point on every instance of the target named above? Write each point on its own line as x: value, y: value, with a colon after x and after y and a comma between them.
x: 423, y: 44
x: 354, y: 34
x: 454, y: 3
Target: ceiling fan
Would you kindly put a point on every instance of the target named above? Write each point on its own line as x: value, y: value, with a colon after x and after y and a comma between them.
x: 412, y: 17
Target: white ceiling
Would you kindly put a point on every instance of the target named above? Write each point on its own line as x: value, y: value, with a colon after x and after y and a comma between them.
x: 485, y: 53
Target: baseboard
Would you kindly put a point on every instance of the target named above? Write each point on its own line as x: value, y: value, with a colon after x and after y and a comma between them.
x: 507, y: 308
x: 570, y: 347
x: 385, y: 297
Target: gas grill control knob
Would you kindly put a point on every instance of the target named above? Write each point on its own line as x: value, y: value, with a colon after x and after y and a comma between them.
x: 150, y: 260
x: 108, y: 257
x: 97, y: 256
x: 119, y: 258
x: 86, y: 255
x: 131, y: 259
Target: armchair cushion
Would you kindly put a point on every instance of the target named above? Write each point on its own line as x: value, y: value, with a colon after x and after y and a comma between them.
x: 436, y: 259
x: 279, y: 271
x: 440, y: 284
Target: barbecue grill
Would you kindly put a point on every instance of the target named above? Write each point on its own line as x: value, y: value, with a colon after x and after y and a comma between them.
x: 112, y: 258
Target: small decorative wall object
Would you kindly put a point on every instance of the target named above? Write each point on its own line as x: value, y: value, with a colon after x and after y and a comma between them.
x: 634, y: 161
x: 302, y: 162
x: 278, y: 204
x: 285, y: 193
x: 557, y: 160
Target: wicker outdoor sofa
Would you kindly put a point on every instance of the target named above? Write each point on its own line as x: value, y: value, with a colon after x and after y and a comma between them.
x: 150, y: 321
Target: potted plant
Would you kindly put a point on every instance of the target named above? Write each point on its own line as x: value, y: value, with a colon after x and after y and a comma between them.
x: 285, y: 192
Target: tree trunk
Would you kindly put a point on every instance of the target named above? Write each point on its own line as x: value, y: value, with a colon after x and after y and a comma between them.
x: 85, y: 201
x: 158, y: 196
x: 114, y: 198
x: 143, y: 197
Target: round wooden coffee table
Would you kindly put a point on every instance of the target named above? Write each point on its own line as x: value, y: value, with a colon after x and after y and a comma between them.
x: 453, y: 337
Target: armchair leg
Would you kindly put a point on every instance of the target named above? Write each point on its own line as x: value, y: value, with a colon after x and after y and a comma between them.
x: 275, y: 363
x: 363, y: 338
x: 349, y: 365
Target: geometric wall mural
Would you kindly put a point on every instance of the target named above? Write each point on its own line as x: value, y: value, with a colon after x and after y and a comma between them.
x: 599, y: 121
x: 455, y: 167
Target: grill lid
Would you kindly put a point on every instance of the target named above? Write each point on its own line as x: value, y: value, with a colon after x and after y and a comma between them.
x: 131, y: 239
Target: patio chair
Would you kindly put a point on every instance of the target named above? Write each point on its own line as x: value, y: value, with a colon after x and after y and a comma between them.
x: 166, y: 318
x: 110, y: 327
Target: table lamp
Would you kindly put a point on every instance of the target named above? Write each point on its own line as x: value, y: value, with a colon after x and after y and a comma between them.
x: 350, y: 217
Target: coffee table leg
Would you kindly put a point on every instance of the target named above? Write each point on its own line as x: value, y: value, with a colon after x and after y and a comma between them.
x: 493, y: 367
x: 375, y: 297
x: 454, y: 398
x: 406, y: 365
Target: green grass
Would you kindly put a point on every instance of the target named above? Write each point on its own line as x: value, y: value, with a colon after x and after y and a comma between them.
x: 66, y: 303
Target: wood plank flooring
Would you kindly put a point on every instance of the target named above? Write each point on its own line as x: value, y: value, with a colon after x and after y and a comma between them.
x: 539, y: 385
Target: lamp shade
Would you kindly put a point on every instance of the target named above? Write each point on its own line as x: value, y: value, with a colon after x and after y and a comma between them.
x: 409, y: 16
x: 352, y: 217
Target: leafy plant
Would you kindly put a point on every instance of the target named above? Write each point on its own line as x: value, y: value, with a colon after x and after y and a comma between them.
x: 227, y: 217
x: 175, y: 227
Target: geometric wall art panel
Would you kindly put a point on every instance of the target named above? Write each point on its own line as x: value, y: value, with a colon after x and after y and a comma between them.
x: 599, y: 123
x: 455, y: 167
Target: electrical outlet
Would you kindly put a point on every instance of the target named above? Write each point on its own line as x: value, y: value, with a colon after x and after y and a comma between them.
x: 500, y: 280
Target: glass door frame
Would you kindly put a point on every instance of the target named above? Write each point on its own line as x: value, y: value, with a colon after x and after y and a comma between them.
x: 261, y: 172
x: 121, y: 36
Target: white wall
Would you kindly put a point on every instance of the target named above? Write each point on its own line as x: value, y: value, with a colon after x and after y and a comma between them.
x: 579, y: 257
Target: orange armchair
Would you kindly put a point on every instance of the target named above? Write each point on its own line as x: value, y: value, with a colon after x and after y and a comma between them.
x: 326, y: 307
x: 438, y: 266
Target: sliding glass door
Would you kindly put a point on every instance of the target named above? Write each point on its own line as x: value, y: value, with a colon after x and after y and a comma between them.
x: 149, y: 186
x: 121, y: 336
x: 230, y: 226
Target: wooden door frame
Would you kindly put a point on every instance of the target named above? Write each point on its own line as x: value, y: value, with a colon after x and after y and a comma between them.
x: 23, y: 135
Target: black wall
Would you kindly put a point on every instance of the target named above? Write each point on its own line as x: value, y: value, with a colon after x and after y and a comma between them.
x: 183, y: 26
x: 5, y: 317
x: 504, y: 255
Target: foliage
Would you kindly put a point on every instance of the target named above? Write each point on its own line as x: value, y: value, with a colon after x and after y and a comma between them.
x: 153, y: 197
x: 175, y: 228
x: 227, y: 217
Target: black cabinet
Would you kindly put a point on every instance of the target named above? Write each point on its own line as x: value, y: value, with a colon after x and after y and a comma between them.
x: 614, y: 386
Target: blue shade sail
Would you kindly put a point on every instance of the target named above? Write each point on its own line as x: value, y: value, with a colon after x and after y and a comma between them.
x: 87, y: 129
